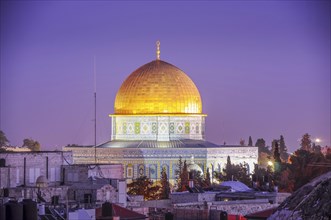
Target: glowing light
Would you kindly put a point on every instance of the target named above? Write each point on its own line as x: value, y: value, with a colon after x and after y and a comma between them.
x: 270, y: 163
x: 158, y: 50
x: 317, y: 140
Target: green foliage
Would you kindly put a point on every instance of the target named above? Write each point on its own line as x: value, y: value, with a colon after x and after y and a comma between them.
x: 260, y: 143
x: 306, y: 142
x: 305, y: 166
x: 250, y: 142
x: 273, y: 144
x: 165, y: 186
x: 145, y: 187
x: 235, y: 172
x: 31, y: 144
x: 316, y: 149
x: 262, y: 176
x: 183, y: 178
x: 207, y: 182
x: 276, y: 153
x: 178, y: 173
x: 197, y: 178
x: 283, y: 149
x: 3, y: 139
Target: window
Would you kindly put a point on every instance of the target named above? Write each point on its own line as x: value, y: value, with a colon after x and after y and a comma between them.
x: 52, y: 179
x: 141, y: 170
x: 17, y: 175
x: 55, y: 174
x: 34, y: 173
x: 129, y: 171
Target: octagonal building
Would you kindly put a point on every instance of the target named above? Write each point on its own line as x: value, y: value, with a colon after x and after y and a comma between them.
x: 158, y: 118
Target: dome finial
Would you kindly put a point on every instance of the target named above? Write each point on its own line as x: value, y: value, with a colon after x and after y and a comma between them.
x: 158, y: 50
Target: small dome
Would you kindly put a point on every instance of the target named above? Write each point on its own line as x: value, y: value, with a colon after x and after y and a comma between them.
x: 194, y: 167
x: 158, y: 88
x: 41, y: 181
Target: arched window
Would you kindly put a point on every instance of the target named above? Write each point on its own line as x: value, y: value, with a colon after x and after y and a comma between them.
x: 141, y: 170
x: 166, y: 168
x: 129, y: 171
x: 174, y: 170
x: 153, y: 171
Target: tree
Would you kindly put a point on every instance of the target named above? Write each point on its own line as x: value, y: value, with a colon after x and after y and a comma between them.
x: 250, y: 142
x: 273, y: 144
x: 178, y: 173
x: 306, y: 165
x: 264, y: 152
x: 197, y: 178
x: 317, y: 149
x: 3, y: 139
x: 306, y: 142
x: 283, y: 149
x: 31, y: 144
x: 145, y: 187
x: 262, y: 177
x: 165, y: 186
x: 277, y: 164
x: 207, y: 182
x: 233, y: 172
x: 183, y: 178
x: 260, y: 143
x: 276, y: 153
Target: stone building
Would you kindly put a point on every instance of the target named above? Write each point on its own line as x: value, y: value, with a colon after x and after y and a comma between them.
x: 52, y: 174
x: 158, y: 118
x: 95, y: 183
x: 23, y: 168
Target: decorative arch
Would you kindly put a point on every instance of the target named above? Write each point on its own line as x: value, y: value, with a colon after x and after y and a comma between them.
x: 153, y: 171
x: 141, y: 170
x: 129, y: 171
x: 166, y: 168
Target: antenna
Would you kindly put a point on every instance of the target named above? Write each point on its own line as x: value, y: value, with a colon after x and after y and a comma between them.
x: 95, y: 110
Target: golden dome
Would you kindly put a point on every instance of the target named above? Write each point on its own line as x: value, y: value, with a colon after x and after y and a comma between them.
x: 158, y: 88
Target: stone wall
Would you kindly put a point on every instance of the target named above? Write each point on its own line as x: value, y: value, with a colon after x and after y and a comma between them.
x: 239, y: 209
x: 81, y: 172
x: 37, y: 163
x: 186, y: 197
x: 191, y: 214
x: 46, y: 193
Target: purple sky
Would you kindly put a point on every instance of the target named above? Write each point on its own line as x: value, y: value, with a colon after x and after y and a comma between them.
x: 262, y: 68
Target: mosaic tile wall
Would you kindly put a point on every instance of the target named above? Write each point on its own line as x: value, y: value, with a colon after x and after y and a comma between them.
x: 161, y: 128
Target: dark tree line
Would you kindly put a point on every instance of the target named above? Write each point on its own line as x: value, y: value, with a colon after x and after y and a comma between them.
x: 27, y: 142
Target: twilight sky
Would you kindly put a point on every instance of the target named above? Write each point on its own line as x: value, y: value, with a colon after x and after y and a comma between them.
x: 262, y: 67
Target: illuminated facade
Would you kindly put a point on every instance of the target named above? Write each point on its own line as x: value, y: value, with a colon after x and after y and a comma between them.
x: 159, y: 102
x: 158, y: 118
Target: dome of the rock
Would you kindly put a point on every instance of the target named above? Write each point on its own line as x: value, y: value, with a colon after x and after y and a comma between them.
x: 158, y: 88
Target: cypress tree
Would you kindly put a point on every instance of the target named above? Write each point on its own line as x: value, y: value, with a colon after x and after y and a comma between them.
x: 306, y: 142
x: 184, y: 177
x: 165, y: 186
x: 179, y: 174
x: 283, y: 149
x: 250, y: 142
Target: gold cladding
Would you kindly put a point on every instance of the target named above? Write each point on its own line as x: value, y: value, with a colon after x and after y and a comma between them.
x: 158, y: 88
